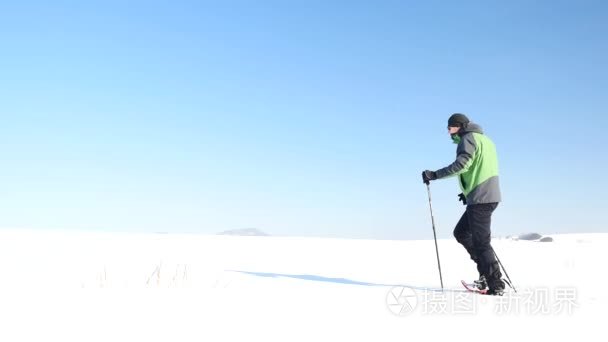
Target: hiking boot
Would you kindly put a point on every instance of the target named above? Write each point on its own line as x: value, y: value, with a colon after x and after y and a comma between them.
x: 497, y: 288
x: 495, y: 292
x: 481, y: 284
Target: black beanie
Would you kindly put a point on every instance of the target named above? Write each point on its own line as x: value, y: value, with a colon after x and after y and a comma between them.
x: 457, y: 120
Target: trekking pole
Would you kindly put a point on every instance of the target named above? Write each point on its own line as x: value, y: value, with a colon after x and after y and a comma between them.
x: 503, y: 269
x: 428, y: 188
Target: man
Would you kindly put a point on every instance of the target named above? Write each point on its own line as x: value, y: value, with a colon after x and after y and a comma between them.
x: 476, y: 166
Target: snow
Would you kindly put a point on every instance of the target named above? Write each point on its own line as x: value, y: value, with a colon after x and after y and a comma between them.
x: 77, y: 286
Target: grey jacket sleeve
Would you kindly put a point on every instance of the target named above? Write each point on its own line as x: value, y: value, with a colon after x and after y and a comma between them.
x: 464, y: 157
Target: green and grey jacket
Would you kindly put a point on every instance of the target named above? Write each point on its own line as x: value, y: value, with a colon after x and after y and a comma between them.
x: 476, y: 166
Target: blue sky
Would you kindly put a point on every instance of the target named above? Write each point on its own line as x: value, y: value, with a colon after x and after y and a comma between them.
x: 308, y: 118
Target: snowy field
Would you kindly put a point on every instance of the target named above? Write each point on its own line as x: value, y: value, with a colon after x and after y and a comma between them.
x: 71, y: 286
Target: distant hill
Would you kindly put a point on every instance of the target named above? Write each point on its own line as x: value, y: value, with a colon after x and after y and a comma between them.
x: 531, y: 237
x: 244, y: 232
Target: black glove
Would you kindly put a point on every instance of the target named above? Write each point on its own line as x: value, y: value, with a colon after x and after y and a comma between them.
x: 428, y: 176
x: 463, y: 199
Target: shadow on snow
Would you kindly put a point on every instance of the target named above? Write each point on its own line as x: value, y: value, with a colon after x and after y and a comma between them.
x: 343, y: 281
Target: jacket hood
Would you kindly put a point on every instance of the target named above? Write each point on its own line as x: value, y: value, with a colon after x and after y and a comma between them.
x: 470, y: 128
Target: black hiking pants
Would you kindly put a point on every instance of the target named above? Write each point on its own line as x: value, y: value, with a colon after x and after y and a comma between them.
x: 473, y: 232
